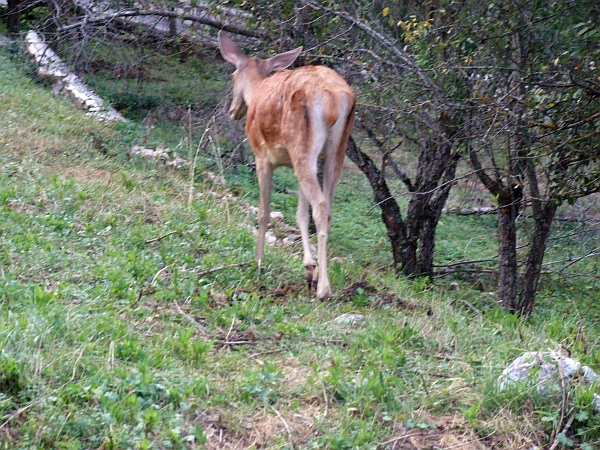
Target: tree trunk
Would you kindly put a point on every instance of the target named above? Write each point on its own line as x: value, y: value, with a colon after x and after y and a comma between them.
x: 14, y: 17
x: 435, y: 171
x: 427, y: 249
x: 531, y: 277
x: 413, y: 240
x: 433, y: 214
x: 390, y: 211
x: 426, y: 180
x: 509, y: 202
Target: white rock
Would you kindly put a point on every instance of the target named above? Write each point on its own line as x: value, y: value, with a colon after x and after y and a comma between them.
x: 350, y: 319
x: 160, y: 154
x: 518, y: 370
x: 249, y: 208
x: 289, y: 240
x: 550, y: 367
x: 589, y: 375
x: 217, y: 179
x: 276, y: 215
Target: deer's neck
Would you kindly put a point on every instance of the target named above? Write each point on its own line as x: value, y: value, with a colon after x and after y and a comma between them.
x: 255, y: 76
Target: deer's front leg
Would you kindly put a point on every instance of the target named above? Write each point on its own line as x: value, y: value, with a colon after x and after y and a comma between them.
x: 265, y: 178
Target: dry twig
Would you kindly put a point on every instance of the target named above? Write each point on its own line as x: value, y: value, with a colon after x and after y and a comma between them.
x: 286, y: 426
x: 159, y: 238
x: 564, y: 430
x: 216, y: 269
x: 400, y: 438
x: 190, y: 318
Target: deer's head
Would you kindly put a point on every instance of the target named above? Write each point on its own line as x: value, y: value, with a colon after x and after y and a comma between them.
x: 249, y: 72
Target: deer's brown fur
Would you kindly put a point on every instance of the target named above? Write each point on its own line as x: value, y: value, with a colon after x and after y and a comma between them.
x: 294, y: 118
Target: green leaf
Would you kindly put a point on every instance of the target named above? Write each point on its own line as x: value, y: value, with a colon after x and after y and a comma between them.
x: 199, y: 434
x: 563, y: 439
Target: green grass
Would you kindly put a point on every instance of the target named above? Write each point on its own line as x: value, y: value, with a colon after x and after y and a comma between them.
x: 137, y: 80
x: 126, y: 321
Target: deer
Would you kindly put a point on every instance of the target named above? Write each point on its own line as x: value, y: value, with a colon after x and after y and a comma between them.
x: 294, y: 118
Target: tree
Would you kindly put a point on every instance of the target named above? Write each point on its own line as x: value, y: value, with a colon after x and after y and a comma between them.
x: 14, y: 17
x: 512, y: 87
x: 535, y: 122
x: 16, y: 9
x: 411, y: 109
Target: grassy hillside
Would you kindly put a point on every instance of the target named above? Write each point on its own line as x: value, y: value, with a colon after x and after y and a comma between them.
x: 132, y: 319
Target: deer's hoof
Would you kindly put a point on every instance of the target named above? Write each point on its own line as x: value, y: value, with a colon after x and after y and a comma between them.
x: 311, y: 277
x: 322, y: 296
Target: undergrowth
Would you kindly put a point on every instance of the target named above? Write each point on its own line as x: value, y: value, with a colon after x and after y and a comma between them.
x: 132, y: 319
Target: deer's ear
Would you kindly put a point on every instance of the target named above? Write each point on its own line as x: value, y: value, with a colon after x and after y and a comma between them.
x: 282, y: 60
x: 230, y: 52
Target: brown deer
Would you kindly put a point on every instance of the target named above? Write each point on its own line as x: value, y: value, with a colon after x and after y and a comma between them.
x: 294, y: 118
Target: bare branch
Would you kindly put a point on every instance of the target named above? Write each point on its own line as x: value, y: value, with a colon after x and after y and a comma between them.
x: 406, y: 60
x: 593, y: 252
x: 205, y: 19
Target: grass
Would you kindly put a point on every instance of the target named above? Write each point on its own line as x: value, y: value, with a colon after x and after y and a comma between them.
x: 126, y: 320
x: 140, y: 80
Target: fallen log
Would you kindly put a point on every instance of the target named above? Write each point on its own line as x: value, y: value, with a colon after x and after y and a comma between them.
x: 478, y: 211
x: 65, y: 82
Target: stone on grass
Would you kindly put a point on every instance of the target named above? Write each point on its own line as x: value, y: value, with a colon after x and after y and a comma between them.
x: 350, y: 319
x: 550, y: 368
x: 290, y: 239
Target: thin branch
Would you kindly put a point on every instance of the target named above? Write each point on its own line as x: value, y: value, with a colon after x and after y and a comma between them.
x: 159, y: 238
x: 565, y: 429
x: 325, y: 399
x: 270, y: 352
x: 18, y: 413
x: 441, y: 274
x: 203, y: 20
x: 216, y: 269
x: 232, y: 343
x: 155, y: 278
x: 400, y: 438
x: 387, y: 156
x: 286, y: 426
x: 593, y: 252
x: 408, y: 62
x: 189, y: 318
x: 469, y: 443
x: 460, y: 263
x: 471, y: 307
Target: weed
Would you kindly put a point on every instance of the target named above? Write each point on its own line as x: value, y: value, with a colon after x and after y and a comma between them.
x: 12, y: 377
x: 261, y: 384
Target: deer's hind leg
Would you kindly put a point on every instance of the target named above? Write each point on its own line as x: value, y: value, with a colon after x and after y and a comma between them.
x: 302, y: 220
x: 311, y: 192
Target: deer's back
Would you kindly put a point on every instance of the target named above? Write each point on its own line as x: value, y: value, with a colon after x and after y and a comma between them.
x: 290, y: 106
